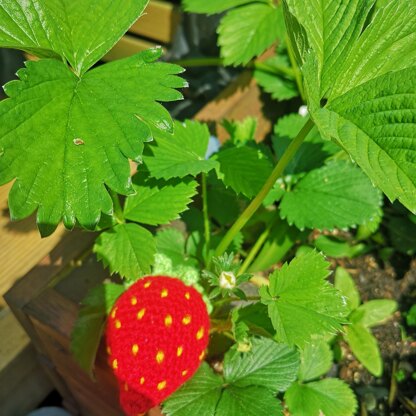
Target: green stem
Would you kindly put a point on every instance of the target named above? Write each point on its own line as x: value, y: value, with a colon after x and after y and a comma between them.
x: 256, y: 248
x: 275, y: 69
x: 118, y: 210
x: 233, y: 299
x: 257, y: 201
x: 207, y: 230
x: 298, y: 74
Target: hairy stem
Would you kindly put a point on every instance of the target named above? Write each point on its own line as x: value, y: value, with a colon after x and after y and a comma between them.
x: 118, y: 210
x: 257, y: 201
x: 207, y: 229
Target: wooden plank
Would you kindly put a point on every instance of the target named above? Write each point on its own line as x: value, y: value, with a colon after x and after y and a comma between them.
x: 127, y: 46
x: 21, y: 246
x: 24, y: 384
x: 159, y: 22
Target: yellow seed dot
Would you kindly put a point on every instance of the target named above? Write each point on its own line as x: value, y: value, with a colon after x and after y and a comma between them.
x: 164, y: 293
x: 108, y: 350
x: 141, y: 313
x: 135, y: 349
x: 117, y: 324
x: 184, y: 373
x: 186, y: 319
x: 168, y: 320
x: 201, y: 356
x: 126, y: 387
x: 133, y: 300
x: 187, y: 296
x: 160, y: 357
x: 142, y: 380
x: 200, y: 333
x: 179, y: 351
x: 147, y: 285
x: 161, y: 385
x: 114, y: 312
x: 115, y: 364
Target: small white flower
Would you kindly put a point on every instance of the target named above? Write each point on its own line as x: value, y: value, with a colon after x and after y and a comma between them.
x: 227, y: 280
x: 303, y: 110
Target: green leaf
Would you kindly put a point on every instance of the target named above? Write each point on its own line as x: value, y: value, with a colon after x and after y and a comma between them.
x: 280, y: 87
x: 241, y: 132
x: 334, y: 247
x: 79, y: 134
x: 387, y: 44
x: 213, y: 6
x: 402, y: 232
x: 255, y: 318
x: 127, y: 249
x: 89, y: 325
x: 374, y: 312
x: 268, y: 364
x: 244, y: 169
x: 180, y: 154
x: 316, y: 360
x: 157, y: 201
x: 337, y: 195
x: 376, y: 124
x: 248, y: 401
x: 63, y: 27
x: 346, y: 285
x: 199, y: 396
x: 171, y: 242
x: 364, y: 346
x: 302, y: 302
x: 329, y: 397
x: 248, y: 31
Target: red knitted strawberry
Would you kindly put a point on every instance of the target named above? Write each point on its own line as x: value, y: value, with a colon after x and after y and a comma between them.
x: 157, y: 334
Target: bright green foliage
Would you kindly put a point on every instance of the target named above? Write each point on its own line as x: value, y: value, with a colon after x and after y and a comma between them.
x: 180, y: 154
x: 78, y: 134
x: 411, y: 316
x: 365, y: 348
x: 171, y: 242
x: 241, y: 132
x: 254, y: 318
x: 302, y: 302
x: 244, y: 169
x: 63, y: 28
x: 127, y: 249
x: 279, y: 86
x: 345, y: 284
x: 315, y: 360
x: 335, y: 247
x: 336, y: 195
x: 330, y: 397
x: 157, y: 201
x: 88, y: 328
x: 268, y: 364
x: 248, y: 31
x: 374, y: 312
x: 199, y: 396
x: 214, y: 6
x: 248, y: 387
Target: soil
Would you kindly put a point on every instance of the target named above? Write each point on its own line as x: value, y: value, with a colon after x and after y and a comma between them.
x: 385, y: 396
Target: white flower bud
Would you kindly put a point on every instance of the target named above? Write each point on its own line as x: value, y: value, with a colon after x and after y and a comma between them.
x: 303, y: 110
x: 227, y: 280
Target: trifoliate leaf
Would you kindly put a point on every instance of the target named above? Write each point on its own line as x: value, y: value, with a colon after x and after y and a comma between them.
x: 248, y: 31
x: 157, y: 201
x: 337, y: 195
x: 376, y: 124
x: 387, y: 44
x: 213, y: 6
x: 346, y: 285
x: 374, y: 312
x: 127, y: 249
x: 302, y: 302
x: 279, y: 86
x: 79, y: 134
x: 315, y: 359
x: 89, y: 325
x: 248, y: 401
x: 244, y: 169
x: 329, y: 397
x: 268, y: 364
x: 63, y: 28
x: 199, y: 396
x: 180, y: 154
x: 365, y: 347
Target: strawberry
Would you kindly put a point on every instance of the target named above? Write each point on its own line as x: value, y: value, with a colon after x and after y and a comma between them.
x: 157, y: 333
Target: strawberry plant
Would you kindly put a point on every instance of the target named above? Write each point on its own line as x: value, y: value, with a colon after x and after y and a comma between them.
x: 69, y: 128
